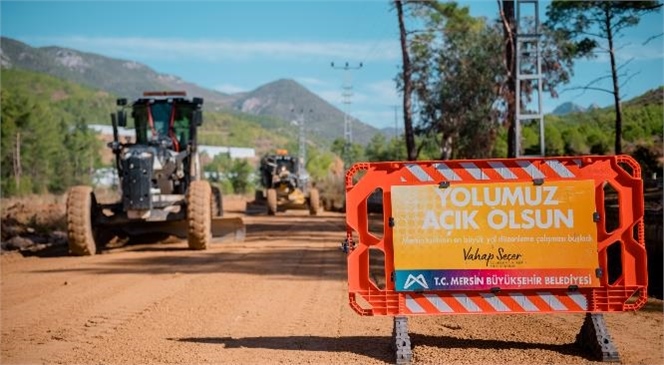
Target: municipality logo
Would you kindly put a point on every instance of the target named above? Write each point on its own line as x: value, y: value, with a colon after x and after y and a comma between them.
x: 419, y: 279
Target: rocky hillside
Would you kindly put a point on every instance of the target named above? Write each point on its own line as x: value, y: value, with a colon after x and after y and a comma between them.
x: 276, y: 102
x: 120, y: 77
x: 568, y: 108
x: 288, y: 100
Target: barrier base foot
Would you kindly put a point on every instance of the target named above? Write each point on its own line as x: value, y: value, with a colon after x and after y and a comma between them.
x: 401, y: 340
x: 595, y: 337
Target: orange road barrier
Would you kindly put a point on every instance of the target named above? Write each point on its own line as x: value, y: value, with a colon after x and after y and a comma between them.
x: 494, y: 236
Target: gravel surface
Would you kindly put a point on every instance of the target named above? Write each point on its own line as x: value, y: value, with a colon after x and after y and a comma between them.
x: 280, y: 297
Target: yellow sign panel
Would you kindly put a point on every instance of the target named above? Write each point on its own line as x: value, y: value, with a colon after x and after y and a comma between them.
x: 496, y: 226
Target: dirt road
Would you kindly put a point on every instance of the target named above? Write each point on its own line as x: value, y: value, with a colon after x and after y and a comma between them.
x: 279, y: 297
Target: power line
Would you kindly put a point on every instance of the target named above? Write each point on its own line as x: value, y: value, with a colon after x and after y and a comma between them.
x: 347, y: 94
x: 302, y: 149
x: 528, y: 54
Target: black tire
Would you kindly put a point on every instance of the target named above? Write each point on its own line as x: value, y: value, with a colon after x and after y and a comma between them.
x: 217, y: 203
x: 271, y: 201
x: 314, y: 202
x: 199, y: 215
x: 81, y: 206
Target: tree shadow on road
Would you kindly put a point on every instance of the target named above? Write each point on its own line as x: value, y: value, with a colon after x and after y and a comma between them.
x: 310, y: 263
x: 296, y: 229
x: 112, y: 243
x: 376, y: 347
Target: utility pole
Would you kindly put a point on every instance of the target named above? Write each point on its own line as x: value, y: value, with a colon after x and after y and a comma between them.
x: 528, y: 70
x: 302, y: 148
x: 347, y: 94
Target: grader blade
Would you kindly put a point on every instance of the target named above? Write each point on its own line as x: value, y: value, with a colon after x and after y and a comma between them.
x: 224, y: 229
x: 256, y: 207
x: 228, y: 229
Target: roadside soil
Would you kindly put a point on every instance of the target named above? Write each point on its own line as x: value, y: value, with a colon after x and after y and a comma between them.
x: 279, y: 297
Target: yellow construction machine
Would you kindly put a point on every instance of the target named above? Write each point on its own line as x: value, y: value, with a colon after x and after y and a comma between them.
x: 162, y: 188
x: 285, y: 185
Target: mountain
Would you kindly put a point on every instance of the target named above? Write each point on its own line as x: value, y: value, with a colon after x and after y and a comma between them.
x: 593, y: 131
x: 274, y: 104
x: 391, y: 132
x: 120, y: 77
x: 568, y: 108
x: 68, y: 103
x: 650, y: 97
x: 288, y: 100
x: 653, y: 96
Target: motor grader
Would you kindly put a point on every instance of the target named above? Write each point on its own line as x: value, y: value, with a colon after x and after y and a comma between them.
x: 285, y: 185
x: 162, y: 188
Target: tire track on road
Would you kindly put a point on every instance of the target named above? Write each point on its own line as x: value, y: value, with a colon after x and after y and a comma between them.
x: 101, y: 304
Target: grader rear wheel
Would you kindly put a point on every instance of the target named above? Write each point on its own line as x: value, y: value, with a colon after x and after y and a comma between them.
x: 217, y: 204
x: 314, y: 202
x: 271, y: 201
x: 81, y: 205
x: 327, y: 204
x: 199, y: 215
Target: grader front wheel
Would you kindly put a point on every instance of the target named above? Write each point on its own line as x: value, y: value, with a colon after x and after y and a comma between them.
x: 314, y: 202
x: 199, y: 215
x: 271, y: 201
x: 216, y: 202
x: 81, y: 204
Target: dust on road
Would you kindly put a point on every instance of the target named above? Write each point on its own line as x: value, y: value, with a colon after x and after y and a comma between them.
x: 279, y: 297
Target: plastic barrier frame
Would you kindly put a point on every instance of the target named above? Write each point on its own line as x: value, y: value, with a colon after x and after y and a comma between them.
x: 627, y: 291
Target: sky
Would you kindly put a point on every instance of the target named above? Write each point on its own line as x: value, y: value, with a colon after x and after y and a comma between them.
x: 235, y: 46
